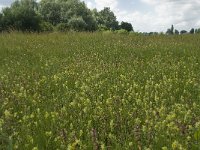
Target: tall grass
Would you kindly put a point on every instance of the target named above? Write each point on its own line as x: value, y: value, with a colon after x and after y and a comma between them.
x: 99, y: 91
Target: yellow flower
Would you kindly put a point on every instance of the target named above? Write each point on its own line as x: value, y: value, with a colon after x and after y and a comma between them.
x: 35, y: 148
x: 48, y: 133
x: 7, y: 114
x: 130, y: 144
x: 164, y: 148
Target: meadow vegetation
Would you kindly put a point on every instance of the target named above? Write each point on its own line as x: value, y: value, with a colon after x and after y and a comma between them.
x: 99, y: 91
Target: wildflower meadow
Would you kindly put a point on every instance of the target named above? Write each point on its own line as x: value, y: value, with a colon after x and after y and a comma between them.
x: 99, y: 91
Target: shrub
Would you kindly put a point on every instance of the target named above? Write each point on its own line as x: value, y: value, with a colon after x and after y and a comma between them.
x: 122, y: 31
x: 108, y: 32
x: 46, y: 27
x: 77, y: 24
x: 62, y: 27
x: 102, y: 28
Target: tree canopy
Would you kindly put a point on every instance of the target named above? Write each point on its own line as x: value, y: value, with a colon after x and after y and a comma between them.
x: 46, y: 15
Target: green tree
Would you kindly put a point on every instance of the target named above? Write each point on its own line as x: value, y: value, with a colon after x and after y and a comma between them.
x: 81, y: 11
x: 126, y: 26
x: 176, y: 32
x: 7, y: 19
x: 192, y: 31
x: 1, y: 25
x: 50, y: 10
x: 46, y: 26
x: 64, y: 11
x: 108, y: 19
x: 77, y: 24
x: 21, y: 16
x: 183, y: 32
x: 172, y: 29
x: 168, y: 32
x: 197, y: 31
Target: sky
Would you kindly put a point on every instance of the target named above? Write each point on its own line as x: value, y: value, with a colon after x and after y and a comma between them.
x: 149, y: 15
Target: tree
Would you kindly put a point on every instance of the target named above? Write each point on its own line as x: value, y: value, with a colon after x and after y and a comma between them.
x: 183, y: 32
x: 77, y: 24
x: 1, y: 27
x: 176, y: 32
x: 192, y: 31
x: 64, y: 11
x: 197, y: 31
x: 168, y: 32
x: 108, y: 19
x: 21, y: 16
x: 62, y: 27
x: 126, y: 26
x: 50, y: 10
x: 46, y: 26
x: 172, y: 29
x: 81, y: 11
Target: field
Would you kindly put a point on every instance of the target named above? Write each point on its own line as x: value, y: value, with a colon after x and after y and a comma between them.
x: 99, y: 91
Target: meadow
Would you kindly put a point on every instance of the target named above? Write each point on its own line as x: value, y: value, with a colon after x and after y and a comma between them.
x: 95, y: 91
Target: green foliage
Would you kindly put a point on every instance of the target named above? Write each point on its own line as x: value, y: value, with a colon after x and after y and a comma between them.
x: 99, y: 91
x: 1, y: 22
x: 176, y: 32
x: 28, y: 15
x: 183, y: 32
x: 122, y: 31
x: 107, y: 18
x: 172, y: 29
x: 126, y: 26
x: 192, y: 31
x: 46, y: 27
x: 63, y: 27
x: 21, y: 16
x: 102, y: 28
x: 50, y: 10
x: 72, y: 12
x: 77, y: 24
x: 197, y: 31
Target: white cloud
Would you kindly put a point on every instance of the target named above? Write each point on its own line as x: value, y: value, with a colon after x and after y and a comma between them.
x: 183, y: 14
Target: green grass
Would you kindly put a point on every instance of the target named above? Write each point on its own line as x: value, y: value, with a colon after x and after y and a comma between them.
x: 99, y: 91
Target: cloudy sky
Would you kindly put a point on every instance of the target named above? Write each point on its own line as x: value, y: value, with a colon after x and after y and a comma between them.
x: 149, y: 15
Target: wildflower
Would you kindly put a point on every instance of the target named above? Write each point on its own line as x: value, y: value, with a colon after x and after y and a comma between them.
x: 130, y: 144
x: 48, y: 133
x: 175, y: 145
x: 7, y: 114
x: 164, y: 148
x: 35, y: 148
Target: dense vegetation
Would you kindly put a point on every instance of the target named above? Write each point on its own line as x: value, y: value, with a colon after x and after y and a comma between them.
x: 99, y: 91
x: 61, y: 15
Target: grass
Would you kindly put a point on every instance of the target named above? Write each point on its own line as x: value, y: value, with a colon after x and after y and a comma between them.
x: 99, y: 91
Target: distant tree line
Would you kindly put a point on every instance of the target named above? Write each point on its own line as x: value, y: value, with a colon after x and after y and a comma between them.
x: 61, y: 15
x: 172, y: 31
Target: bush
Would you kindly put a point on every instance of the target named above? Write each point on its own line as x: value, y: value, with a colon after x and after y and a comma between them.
x: 46, y: 27
x: 77, y: 24
x: 102, y: 28
x: 122, y: 31
x: 62, y: 27
x: 108, y: 32
x: 126, y: 26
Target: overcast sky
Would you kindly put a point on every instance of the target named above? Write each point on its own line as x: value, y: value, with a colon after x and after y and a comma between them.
x: 149, y: 15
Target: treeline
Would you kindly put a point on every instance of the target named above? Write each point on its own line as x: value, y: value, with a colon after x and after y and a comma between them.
x: 173, y: 31
x: 60, y: 15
